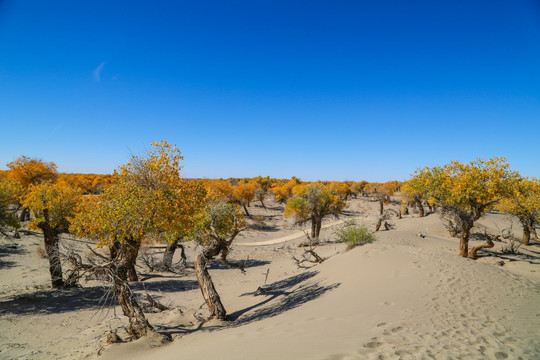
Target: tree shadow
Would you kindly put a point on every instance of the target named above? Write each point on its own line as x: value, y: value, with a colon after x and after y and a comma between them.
x: 219, y: 265
x: 9, y: 250
x: 263, y: 228
x: 533, y: 259
x: 280, y: 291
x: 168, y: 286
x: 56, y: 301
x: 286, y: 299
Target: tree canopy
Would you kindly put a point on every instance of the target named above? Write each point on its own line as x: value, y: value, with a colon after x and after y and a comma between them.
x: 312, y: 203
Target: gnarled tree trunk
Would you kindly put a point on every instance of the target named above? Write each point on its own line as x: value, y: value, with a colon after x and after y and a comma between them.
x: 464, y: 243
x: 169, y: 254
x: 526, y: 235
x: 114, y: 248
x: 138, y: 324
x: 50, y: 237
x: 420, y: 208
x: 25, y: 214
x: 129, y: 252
x: 209, y: 293
x: 245, y: 209
x: 489, y: 244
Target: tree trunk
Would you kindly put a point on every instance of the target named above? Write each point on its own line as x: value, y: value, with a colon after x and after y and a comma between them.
x: 130, y: 250
x: 315, y: 228
x: 420, y: 208
x: 464, y: 243
x: 526, y: 235
x: 534, y: 236
x: 532, y: 229
x: 168, y: 255
x: 404, y: 209
x: 489, y: 244
x: 138, y: 324
x: 50, y: 237
x: 209, y: 293
x: 25, y: 214
x: 133, y: 252
x: 262, y: 203
x: 378, y: 226
x: 245, y: 209
x: 114, y: 248
x: 381, y: 207
x: 318, y: 230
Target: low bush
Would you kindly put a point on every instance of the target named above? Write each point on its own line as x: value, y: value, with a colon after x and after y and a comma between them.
x: 354, y: 234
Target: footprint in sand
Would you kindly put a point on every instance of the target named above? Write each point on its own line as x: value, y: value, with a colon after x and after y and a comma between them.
x: 373, y: 344
x: 397, y: 329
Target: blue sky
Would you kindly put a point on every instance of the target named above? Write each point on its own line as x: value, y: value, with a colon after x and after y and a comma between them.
x: 333, y: 90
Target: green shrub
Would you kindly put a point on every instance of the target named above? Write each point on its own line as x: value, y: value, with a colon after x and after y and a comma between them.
x: 353, y: 234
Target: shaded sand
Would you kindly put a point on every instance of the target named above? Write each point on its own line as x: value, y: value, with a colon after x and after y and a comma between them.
x: 402, y: 297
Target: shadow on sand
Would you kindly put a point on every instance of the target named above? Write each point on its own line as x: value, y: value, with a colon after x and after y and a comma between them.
x: 9, y: 250
x: 282, y: 297
x: 217, y: 264
x: 56, y: 301
x: 278, y: 298
x: 167, y: 285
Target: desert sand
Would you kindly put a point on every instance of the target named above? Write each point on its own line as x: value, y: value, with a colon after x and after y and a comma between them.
x: 402, y: 297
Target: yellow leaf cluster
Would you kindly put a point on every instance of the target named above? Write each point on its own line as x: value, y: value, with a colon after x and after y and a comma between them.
x: 27, y: 171
x: 53, y: 203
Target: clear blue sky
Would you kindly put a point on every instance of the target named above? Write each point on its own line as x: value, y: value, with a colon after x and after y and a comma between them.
x: 343, y: 90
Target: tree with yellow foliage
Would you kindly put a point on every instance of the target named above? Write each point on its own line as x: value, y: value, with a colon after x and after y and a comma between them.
x: 283, y: 190
x: 413, y: 191
x: 244, y: 193
x: 263, y: 185
x: 118, y: 218
x: 26, y: 172
x: 312, y: 203
x: 524, y: 202
x: 465, y: 192
x: 53, y: 205
x: 382, y: 192
x: 147, y: 199
x: 218, y: 225
x: 219, y: 189
x: 9, y: 195
x: 341, y: 189
x: 179, y: 211
x: 358, y: 188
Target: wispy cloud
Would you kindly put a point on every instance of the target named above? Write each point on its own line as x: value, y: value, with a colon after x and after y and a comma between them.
x: 97, y: 72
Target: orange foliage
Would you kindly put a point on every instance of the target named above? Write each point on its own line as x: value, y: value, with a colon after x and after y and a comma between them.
x: 27, y: 171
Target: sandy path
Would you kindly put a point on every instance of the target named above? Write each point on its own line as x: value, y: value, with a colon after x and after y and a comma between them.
x: 295, y: 236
